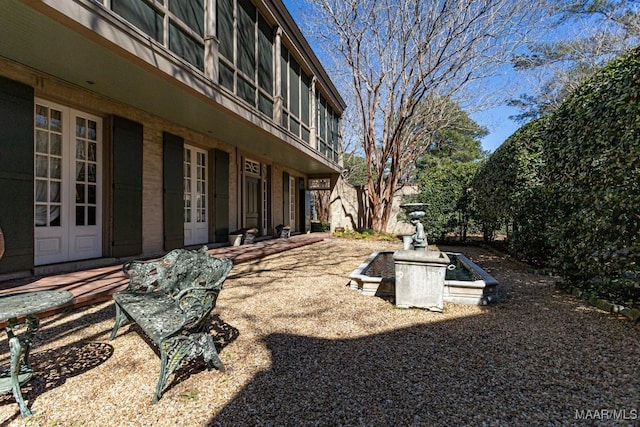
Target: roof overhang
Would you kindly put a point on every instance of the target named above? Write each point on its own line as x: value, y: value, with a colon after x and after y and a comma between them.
x: 83, y: 44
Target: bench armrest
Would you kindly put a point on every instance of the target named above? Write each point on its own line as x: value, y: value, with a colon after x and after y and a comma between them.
x: 196, y: 303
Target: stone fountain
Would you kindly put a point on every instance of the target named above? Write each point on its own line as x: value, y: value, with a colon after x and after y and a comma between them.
x: 419, y: 272
x: 418, y: 277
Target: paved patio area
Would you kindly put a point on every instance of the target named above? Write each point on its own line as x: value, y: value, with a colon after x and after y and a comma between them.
x: 98, y: 284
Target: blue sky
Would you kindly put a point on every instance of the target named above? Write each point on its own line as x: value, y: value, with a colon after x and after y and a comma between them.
x: 500, y: 127
x: 495, y: 119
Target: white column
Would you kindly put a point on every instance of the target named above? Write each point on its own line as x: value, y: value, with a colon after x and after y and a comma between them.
x: 277, y: 96
x: 210, y: 41
x: 313, y: 140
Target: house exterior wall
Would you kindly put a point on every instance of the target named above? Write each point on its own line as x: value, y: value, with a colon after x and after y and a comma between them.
x: 196, y: 108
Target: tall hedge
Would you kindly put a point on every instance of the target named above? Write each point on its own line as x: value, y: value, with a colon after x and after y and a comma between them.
x: 508, y: 190
x: 592, y: 158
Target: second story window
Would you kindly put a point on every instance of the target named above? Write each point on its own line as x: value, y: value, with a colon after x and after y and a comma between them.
x: 296, y: 93
x: 176, y: 24
x: 246, y: 53
x: 327, y: 130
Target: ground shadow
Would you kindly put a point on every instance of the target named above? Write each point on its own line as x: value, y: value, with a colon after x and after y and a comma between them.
x: 223, y: 335
x: 476, y: 370
x: 53, y: 367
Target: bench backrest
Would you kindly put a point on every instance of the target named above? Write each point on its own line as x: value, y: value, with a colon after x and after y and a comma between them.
x: 197, y: 269
x: 178, y: 270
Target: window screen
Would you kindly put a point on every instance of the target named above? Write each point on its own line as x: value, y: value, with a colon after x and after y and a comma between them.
x: 225, y: 28
x: 186, y: 47
x: 246, y: 37
x: 191, y: 12
x: 140, y: 14
x: 265, y: 56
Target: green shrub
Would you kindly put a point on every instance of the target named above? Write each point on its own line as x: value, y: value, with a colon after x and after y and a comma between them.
x: 444, y: 187
x: 366, y: 234
x: 568, y: 186
x: 508, y: 190
x: 592, y: 153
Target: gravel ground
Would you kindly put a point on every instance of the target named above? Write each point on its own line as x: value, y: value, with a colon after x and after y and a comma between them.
x: 301, y: 348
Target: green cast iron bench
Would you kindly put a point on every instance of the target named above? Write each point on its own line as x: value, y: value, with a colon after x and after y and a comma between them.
x: 170, y: 299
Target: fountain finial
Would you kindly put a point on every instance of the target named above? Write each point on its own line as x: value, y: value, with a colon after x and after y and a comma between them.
x: 417, y: 240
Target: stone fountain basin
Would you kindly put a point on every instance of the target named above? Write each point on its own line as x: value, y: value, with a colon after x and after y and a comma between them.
x: 465, y: 282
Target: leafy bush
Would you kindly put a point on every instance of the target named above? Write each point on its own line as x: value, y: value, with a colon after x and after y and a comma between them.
x: 592, y: 153
x: 444, y: 187
x: 367, y: 234
x: 569, y: 186
x: 508, y: 189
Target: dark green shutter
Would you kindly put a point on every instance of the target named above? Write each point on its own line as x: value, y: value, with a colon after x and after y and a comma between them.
x: 285, y: 200
x: 304, y: 207
x: 127, y: 188
x: 16, y: 175
x: 173, y: 194
x: 221, y: 195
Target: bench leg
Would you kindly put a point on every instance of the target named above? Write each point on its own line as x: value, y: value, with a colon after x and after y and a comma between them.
x: 174, y: 350
x: 121, y: 318
x: 210, y: 354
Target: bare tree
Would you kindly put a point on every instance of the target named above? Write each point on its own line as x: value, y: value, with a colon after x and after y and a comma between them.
x: 322, y: 200
x: 593, y: 33
x: 405, y: 60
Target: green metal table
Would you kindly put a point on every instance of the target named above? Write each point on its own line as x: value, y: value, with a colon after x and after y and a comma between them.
x: 17, y: 309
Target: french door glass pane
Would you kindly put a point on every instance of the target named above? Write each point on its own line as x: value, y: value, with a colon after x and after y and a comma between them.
x: 54, y: 216
x: 92, y: 130
x: 80, y: 193
x: 80, y: 172
x: 56, y: 121
x: 42, y: 141
x: 42, y: 166
x: 41, y: 191
x: 42, y: 117
x: 80, y: 149
x: 54, y: 192
x: 80, y: 215
x: 56, y: 168
x: 92, y: 155
x: 55, y: 144
x: 41, y: 215
x: 81, y: 129
x: 91, y: 194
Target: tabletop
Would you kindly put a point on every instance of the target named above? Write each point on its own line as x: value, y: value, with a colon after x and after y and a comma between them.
x: 24, y: 304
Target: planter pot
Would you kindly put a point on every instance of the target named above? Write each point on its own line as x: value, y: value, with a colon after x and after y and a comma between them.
x: 250, y: 235
x: 283, y: 231
x: 235, y: 239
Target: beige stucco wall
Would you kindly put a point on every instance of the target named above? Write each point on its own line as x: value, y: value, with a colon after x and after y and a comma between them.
x: 349, y: 206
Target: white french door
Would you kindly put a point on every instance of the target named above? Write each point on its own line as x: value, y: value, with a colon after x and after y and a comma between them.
x: 196, y: 226
x: 67, y: 184
x: 292, y: 203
